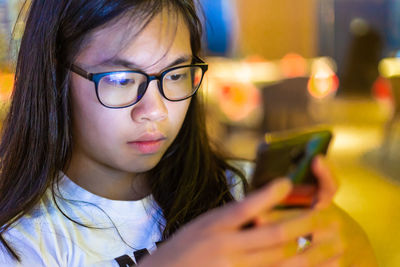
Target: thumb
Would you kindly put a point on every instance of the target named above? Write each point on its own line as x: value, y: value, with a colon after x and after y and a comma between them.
x: 236, y: 214
x: 328, y: 185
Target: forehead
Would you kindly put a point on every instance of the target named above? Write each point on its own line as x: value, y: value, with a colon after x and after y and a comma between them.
x: 163, y: 39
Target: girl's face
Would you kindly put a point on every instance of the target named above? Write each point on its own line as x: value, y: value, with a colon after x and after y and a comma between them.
x: 132, y: 139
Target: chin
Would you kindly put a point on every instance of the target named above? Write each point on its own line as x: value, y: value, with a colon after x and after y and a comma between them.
x: 144, y: 165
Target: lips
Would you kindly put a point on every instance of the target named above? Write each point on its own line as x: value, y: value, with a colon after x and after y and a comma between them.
x: 148, y: 143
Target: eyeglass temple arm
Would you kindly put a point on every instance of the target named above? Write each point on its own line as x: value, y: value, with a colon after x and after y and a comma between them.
x: 196, y: 59
x: 81, y: 72
x: 200, y: 61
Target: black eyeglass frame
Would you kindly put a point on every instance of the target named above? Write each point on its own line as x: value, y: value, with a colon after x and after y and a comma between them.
x: 96, y: 77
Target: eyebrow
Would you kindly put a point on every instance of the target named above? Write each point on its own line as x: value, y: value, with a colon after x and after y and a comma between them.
x: 131, y: 65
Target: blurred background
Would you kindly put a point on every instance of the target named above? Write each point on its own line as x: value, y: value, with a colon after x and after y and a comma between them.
x: 288, y: 64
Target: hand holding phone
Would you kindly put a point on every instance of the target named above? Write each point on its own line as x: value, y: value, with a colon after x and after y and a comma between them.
x: 290, y: 154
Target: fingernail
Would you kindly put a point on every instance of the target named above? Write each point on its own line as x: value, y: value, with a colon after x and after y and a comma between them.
x: 316, y: 161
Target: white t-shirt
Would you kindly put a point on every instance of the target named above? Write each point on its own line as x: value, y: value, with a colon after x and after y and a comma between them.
x: 125, y: 229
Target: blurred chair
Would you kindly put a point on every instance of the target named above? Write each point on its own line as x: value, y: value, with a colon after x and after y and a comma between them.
x: 389, y: 130
x: 390, y: 69
x: 285, y: 105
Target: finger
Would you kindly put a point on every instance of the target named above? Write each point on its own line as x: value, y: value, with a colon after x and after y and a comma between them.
x: 326, y: 181
x: 334, y: 262
x: 269, y: 257
x: 277, y: 215
x: 330, y: 231
x: 236, y: 214
x: 280, y: 232
x: 316, y: 255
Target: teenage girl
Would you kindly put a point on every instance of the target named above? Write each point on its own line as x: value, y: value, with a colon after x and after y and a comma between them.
x: 105, y: 160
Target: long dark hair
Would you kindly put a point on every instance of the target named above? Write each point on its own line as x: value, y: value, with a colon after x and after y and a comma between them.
x: 36, y: 140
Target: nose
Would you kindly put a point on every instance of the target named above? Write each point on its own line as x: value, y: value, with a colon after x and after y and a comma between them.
x: 151, y: 107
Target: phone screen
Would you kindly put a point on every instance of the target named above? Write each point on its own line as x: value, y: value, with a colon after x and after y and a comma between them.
x: 291, y: 155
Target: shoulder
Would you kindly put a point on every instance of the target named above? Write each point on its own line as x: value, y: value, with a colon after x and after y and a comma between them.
x: 84, y: 231
x: 31, y: 237
x: 235, y: 182
x: 45, y: 236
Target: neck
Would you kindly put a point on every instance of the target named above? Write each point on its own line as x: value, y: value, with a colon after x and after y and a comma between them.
x: 107, y: 182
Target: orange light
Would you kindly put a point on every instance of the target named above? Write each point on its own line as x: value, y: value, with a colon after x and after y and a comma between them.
x: 293, y: 65
x: 6, y: 85
x: 321, y: 86
x: 238, y: 100
x: 382, y: 89
x: 323, y: 81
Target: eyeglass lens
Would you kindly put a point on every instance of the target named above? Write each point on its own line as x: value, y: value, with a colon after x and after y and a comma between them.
x: 124, y: 88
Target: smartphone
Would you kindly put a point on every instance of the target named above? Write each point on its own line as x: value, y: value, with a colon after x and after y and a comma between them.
x: 290, y: 154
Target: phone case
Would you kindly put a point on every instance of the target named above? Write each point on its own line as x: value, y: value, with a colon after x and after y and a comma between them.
x: 290, y: 155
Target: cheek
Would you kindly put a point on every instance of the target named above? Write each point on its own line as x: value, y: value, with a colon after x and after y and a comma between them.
x: 82, y: 104
x: 82, y: 92
x: 177, y: 113
x: 90, y: 120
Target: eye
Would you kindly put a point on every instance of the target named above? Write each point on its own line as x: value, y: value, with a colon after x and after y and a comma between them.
x: 124, y: 81
x: 177, y: 76
x: 119, y: 79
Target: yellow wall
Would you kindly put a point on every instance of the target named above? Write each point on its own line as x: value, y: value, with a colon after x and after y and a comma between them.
x: 272, y: 28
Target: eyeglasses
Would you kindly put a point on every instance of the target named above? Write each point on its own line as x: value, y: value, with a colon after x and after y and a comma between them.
x: 121, y: 89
